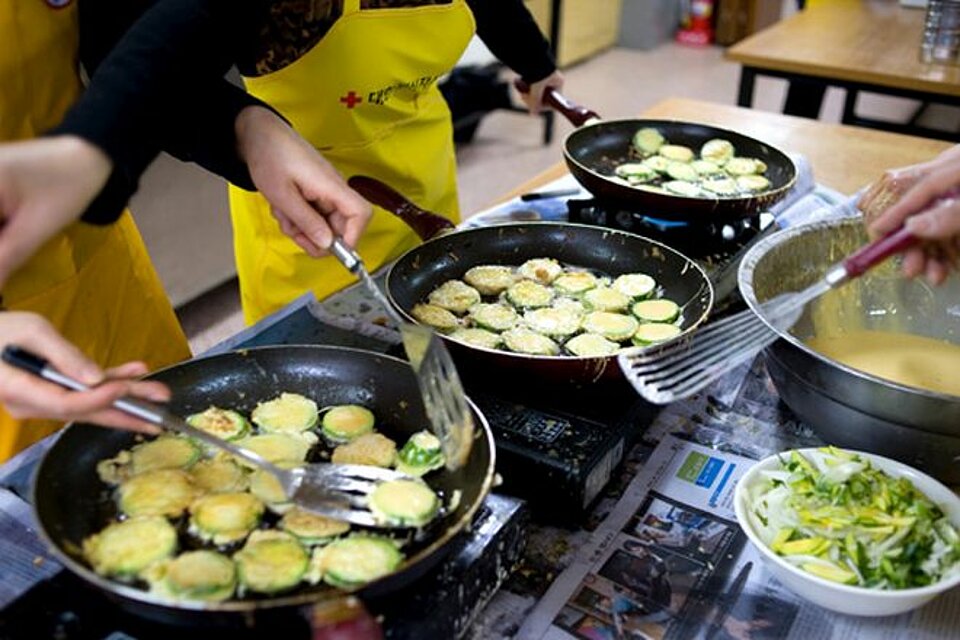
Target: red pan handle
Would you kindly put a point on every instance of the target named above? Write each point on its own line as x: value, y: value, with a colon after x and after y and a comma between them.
x: 424, y: 223
x: 874, y: 253
x: 577, y: 115
x: 342, y: 619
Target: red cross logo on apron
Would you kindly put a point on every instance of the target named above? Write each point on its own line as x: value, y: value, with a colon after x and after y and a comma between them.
x: 351, y: 100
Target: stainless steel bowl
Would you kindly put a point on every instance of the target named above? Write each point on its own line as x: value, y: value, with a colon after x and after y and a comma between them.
x: 844, y: 406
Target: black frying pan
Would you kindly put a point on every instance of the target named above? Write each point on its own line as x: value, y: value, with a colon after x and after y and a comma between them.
x: 447, y: 255
x: 596, y: 147
x: 71, y: 503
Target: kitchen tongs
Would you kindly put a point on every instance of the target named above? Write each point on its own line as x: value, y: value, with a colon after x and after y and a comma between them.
x: 338, y: 491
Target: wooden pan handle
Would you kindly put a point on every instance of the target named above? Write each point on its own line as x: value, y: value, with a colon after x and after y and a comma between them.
x: 424, y: 223
x: 577, y: 115
x: 342, y: 619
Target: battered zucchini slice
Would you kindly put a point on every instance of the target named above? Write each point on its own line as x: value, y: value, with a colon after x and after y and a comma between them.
x: 676, y: 152
x: 166, y: 452
x: 164, y: 492
x: 490, y: 280
x: 224, y: 518
x: 272, y: 565
x: 612, y: 326
x: 753, y: 183
x: 606, y: 299
x: 556, y: 323
x: 682, y: 188
x: 219, y: 475
x: 717, y: 151
x: 528, y: 294
x: 721, y: 186
x: 277, y: 447
x: 404, y: 503
x: 478, y: 337
x: 289, y: 413
x: 436, y: 317
x: 347, y: 422
x: 373, y: 449
x: 744, y: 166
x: 124, y: 549
x: 226, y: 424
x: 591, y: 345
x: 493, y: 317
x: 420, y: 455
x: 657, y: 163
x: 636, y: 285
x: 648, y: 141
x: 575, y: 282
x: 569, y: 304
x: 706, y: 168
x: 530, y: 342
x: 351, y: 562
x: 265, y: 486
x: 542, y: 270
x: 661, y: 310
x: 312, y: 529
x: 653, y: 332
x: 196, y: 575
x: 682, y: 171
x: 635, y: 173
x: 455, y: 296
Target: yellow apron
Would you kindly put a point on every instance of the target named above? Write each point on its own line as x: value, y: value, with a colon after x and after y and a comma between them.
x: 95, y: 284
x: 366, y: 96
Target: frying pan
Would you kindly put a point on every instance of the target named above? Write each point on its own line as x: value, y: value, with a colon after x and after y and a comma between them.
x: 447, y: 254
x: 71, y: 503
x: 596, y: 147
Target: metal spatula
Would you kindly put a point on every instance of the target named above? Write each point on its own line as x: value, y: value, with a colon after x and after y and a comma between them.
x: 440, y: 386
x: 338, y: 491
x: 679, y: 369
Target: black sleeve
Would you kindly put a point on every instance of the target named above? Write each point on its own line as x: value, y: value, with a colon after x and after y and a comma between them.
x: 511, y: 34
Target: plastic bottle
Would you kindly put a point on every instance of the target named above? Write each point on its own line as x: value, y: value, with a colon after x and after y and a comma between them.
x: 941, y: 32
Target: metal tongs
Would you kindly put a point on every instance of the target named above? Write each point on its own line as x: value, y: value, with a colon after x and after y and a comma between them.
x: 338, y: 491
x: 440, y: 386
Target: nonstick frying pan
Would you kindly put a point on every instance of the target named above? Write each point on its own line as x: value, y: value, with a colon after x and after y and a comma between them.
x: 72, y: 503
x: 447, y: 254
x: 596, y: 147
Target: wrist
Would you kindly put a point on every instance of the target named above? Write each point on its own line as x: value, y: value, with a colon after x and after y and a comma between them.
x: 84, y: 153
x: 248, y: 121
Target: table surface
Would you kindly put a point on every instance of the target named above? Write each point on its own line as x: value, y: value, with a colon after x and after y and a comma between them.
x: 870, y: 41
x: 844, y: 158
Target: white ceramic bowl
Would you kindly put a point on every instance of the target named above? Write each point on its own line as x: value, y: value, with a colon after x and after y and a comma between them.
x: 853, y: 600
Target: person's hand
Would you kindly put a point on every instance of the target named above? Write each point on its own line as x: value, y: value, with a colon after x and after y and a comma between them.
x: 534, y: 98
x: 888, y: 190
x: 24, y: 395
x: 45, y: 184
x: 307, y: 196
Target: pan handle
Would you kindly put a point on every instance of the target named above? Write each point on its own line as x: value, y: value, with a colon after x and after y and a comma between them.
x: 342, y: 618
x: 578, y: 115
x: 424, y: 223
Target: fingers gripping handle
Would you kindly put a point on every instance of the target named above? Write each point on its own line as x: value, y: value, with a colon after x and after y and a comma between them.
x: 577, y: 115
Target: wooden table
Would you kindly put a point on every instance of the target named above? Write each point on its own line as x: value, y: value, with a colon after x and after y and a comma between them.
x: 860, y: 45
x: 844, y: 158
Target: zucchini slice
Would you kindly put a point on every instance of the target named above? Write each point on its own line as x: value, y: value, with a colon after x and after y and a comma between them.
x: 653, y: 332
x: 530, y: 342
x: 661, y: 310
x: 405, y: 503
x: 271, y: 565
x: 124, y: 549
x: 166, y: 452
x: 682, y: 188
x: 682, y: 171
x: 277, y: 447
x: 312, y: 529
x: 575, y: 282
x: 224, y: 518
x: 717, y: 151
x: 706, y: 168
x: 352, y: 562
x: 455, y: 296
x: 528, y: 294
x: 478, y: 337
x: 436, y: 317
x: 636, y: 172
x: 612, y: 326
x: 420, y: 455
x: 636, y: 285
x: 721, y: 186
x: 753, y: 183
x: 490, y: 280
x: 289, y: 413
x: 345, y: 422
x: 648, y: 141
x: 657, y: 163
x: 164, y: 492
x: 556, y: 323
x: 676, y: 152
x: 226, y: 424
x: 591, y: 345
x: 373, y: 449
x: 542, y: 270
x: 606, y: 299
x: 198, y: 575
x: 219, y: 475
x: 265, y: 486
x: 569, y: 304
x: 743, y: 166
x: 493, y: 317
